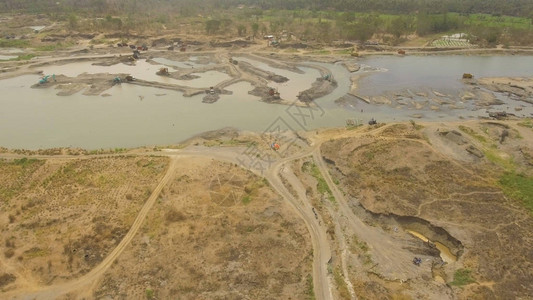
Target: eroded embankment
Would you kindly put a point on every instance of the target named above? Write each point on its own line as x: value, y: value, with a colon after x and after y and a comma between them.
x: 402, y: 181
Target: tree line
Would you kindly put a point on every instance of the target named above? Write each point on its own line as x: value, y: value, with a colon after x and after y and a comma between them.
x: 522, y: 8
x: 308, y: 20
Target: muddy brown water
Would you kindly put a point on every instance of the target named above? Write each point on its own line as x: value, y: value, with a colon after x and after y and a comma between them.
x: 442, y: 73
x: 133, y: 116
x: 445, y: 253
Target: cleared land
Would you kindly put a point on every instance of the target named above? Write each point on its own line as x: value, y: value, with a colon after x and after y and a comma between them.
x: 338, y: 219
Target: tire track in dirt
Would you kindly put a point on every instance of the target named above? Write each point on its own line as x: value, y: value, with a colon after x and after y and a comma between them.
x: 321, y: 250
x: 53, y: 292
x: 393, y: 260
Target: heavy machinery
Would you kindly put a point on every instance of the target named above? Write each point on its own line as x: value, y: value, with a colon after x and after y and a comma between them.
x: 44, y: 79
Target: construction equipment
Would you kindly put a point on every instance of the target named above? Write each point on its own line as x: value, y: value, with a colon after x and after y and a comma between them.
x: 44, y: 79
x: 275, y: 146
x: 467, y: 76
x: 417, y: 261
x: 136, y: 54
x: 372, y: 122
x: 274, y: 93
x: 117, y: 80
x: 163, y: 72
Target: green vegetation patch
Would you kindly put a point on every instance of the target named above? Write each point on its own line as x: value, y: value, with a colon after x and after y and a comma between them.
x: 23, y: 57
x: 498, y: 21
x: 506, y: 162
x: 462, y: 277
x: 25, y: 162
x: 519, y: 187
x: 35, y: 252
x: 246, y: 199
x: 251, y: 190
x: 12, y: 43
x: 473, y: 133
x: 321, y: 186
x: 15, y: 174
x: 149, y: 294
x: 320, y: 52
x: 341, y: 284
x: 358, y: 245
x: 310, y: 288
x: 53, y: 47
x: 528, y: 123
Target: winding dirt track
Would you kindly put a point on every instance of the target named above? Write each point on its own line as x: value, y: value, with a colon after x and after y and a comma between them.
x: 321, y: 250
x: 54, y: 291
x: 390, y: 256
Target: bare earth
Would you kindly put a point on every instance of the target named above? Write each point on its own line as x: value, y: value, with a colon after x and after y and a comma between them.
x: 339, y: 214
x: 333, y: 219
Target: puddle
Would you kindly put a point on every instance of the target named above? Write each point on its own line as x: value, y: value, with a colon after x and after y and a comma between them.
x: 37, y: 28
x: 11, y: 50
x: 7, y: 57
x: 445, y: 253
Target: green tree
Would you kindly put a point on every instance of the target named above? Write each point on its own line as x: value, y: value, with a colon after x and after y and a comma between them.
x: 400, y: 26
x: 255, y: 29
x: 72, y: 21
x: 363, y: 31
x: 241, y: 30
x: 212, y: 26
x: 324, y: 31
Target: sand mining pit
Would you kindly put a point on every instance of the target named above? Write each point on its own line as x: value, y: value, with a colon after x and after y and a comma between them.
x: 460, y: 197
x: 98, y: 83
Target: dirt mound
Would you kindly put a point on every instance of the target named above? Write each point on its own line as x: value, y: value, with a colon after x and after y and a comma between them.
x: 320, y: 87
x: 261, y: 73
x: 294, y: 46
x: 235, y: 43
x: 90, y: 84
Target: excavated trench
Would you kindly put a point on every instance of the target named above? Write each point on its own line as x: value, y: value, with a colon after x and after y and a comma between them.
x: 439, y: 241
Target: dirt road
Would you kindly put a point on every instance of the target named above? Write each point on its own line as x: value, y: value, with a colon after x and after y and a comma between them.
x: 392, y: 260
x: 54, y: 291
x: 321, y: 249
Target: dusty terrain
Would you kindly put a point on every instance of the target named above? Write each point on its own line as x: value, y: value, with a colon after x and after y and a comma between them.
x: 341, y: 216
x: 62, y: 217
x: 405, y: 177
x: 217, y: 232
x: 337, y: 214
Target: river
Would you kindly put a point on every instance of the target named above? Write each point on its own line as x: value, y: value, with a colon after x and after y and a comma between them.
x: 133, y: 116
